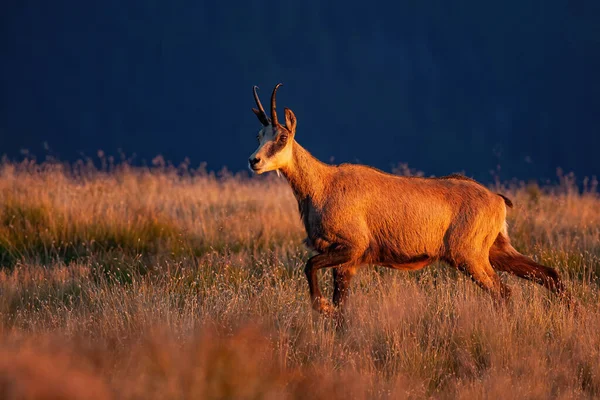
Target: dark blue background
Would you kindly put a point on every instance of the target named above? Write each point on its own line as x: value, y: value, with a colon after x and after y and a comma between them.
x: 443, y: 86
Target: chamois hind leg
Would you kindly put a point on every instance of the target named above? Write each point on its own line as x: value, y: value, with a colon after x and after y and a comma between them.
x: 504, y: 257
x: 341, y: 258
x: 481, y: 272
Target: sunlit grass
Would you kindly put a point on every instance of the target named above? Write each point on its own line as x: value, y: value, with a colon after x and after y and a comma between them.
x: 160, y: 283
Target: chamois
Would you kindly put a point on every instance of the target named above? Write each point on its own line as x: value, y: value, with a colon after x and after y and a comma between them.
x: 356, y: 215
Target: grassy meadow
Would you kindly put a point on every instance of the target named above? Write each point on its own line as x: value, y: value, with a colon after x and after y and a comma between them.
x: 160, y: 283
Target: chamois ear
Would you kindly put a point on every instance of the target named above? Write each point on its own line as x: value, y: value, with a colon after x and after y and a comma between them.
x: 290, y: 120
x: 261, y: 117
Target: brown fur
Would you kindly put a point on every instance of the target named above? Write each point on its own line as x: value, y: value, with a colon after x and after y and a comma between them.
x: 356, y: 215
x: 505, y: 258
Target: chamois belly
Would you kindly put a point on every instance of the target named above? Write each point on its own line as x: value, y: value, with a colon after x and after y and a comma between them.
x: 412, y: 264
x: 408, y: 238
x: 404, y: 250
x: 397, y: 259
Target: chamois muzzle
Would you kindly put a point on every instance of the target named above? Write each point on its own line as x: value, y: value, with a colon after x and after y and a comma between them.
x: 253, y: 162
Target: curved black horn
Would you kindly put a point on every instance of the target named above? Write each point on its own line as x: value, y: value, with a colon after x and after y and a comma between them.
x: 257, y: 100
x: 273, y: 111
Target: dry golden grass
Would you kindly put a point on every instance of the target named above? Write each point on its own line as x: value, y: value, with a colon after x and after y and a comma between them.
x: 142, y: 284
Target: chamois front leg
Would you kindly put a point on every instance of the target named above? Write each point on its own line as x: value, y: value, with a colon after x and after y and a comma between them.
x: 342, y: 276
x: 341, y: 284
x: 339, y: 258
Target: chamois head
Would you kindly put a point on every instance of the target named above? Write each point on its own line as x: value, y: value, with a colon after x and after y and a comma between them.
x: 275, y: 141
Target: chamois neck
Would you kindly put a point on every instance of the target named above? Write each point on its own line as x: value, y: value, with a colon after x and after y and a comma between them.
x: 307, y: 175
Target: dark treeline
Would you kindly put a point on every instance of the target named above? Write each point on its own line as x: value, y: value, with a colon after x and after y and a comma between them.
x: 443, y: 86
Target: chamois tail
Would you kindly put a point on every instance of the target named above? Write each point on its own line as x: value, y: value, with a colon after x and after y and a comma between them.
x: 507, y: 201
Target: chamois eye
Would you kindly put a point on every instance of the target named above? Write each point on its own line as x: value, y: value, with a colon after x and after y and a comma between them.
x: 283, y: 138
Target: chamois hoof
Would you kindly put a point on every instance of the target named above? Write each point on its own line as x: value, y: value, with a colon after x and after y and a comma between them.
x: 323, y: 306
